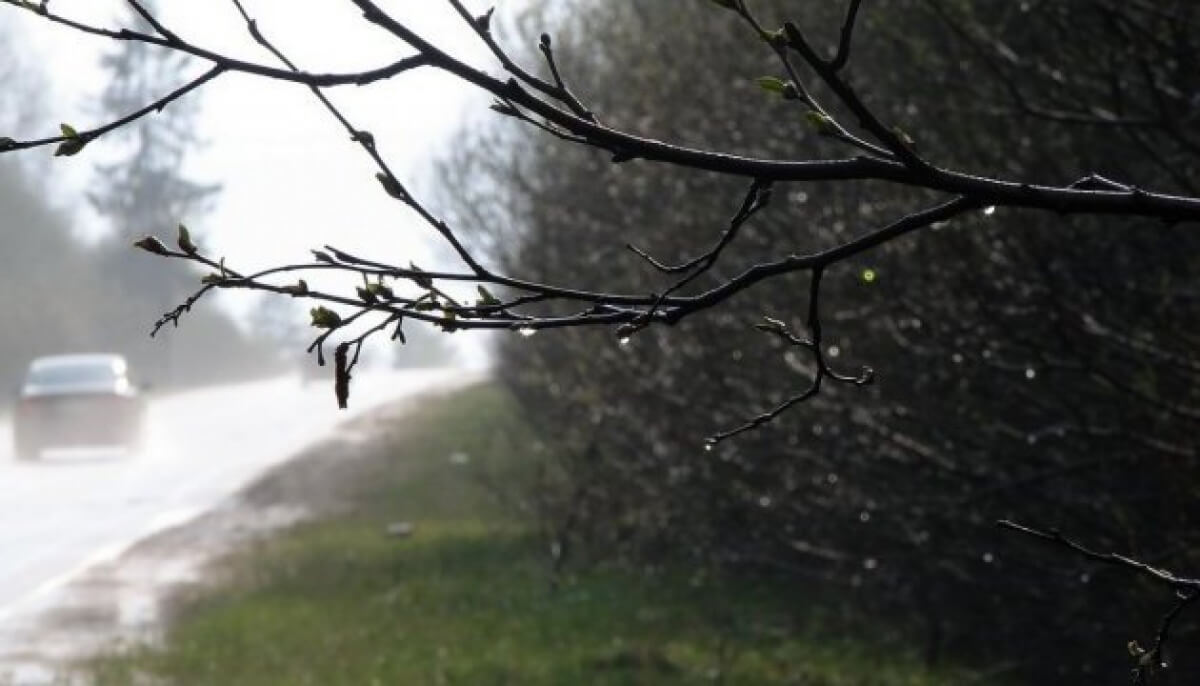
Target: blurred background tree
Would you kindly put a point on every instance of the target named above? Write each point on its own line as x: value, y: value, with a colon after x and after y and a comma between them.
x: 101, y: 296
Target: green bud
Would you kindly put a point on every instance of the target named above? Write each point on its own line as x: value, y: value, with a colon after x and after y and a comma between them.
x: 151, y: 245
x: 821, y: 122
x: 777, y: 38
x: 392, y: 187
x: 70, y: 147
x: 298, y: 289
x: 381, y: 291
x: 485, y: 296
x: 324, y: 318
x: 771, y: 84
x: 184, y: 240
x: 422, y: 281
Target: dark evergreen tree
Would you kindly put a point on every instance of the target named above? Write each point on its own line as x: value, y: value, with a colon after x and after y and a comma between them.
x: 146, y: 190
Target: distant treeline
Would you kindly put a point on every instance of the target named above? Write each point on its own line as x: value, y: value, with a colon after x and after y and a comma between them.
x: 1031, y: 366
x: 60, y: 295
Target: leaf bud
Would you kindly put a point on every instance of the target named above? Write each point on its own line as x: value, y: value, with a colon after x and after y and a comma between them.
x: 821, y: 122
x: 184, y: 240
x: 324, y: 318
x: 151, y: 245
x: 297, y: 289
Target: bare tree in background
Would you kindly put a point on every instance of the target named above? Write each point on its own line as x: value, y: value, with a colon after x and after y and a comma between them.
x: 814, y: 80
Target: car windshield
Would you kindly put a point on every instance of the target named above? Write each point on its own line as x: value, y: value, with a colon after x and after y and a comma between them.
x: 72, y: 373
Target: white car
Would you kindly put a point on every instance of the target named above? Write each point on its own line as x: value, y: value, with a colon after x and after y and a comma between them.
x: 77, y: 400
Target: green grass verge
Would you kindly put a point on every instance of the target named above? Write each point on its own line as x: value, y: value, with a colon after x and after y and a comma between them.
x: 466, y: 599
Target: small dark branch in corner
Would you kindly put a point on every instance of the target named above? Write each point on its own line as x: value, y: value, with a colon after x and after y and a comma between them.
x: 1186, y: 590
x: 1152, y: 661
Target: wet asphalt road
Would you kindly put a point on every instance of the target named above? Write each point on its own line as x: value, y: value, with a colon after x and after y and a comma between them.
x: 77, y: 508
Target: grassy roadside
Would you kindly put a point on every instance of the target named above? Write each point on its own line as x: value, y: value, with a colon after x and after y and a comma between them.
x: 466, y: 598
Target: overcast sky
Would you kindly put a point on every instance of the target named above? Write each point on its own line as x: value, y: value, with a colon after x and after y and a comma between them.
x: 291, y: 179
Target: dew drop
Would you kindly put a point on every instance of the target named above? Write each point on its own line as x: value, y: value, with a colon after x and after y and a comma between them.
x: 864, y: 516
x: 988, y: 558
x: 834, y: 351
x: 1031, y: 373
x: 764, y: 501
x: 870, y: 563
x: 708, y: 446
x: 989, y: 210
x: 869, y: 275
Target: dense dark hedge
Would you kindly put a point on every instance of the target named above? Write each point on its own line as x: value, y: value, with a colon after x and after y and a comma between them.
x: 1030, y: 365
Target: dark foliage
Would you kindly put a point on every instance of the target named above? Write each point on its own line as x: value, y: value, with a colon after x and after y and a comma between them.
x: 1031, y: 366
